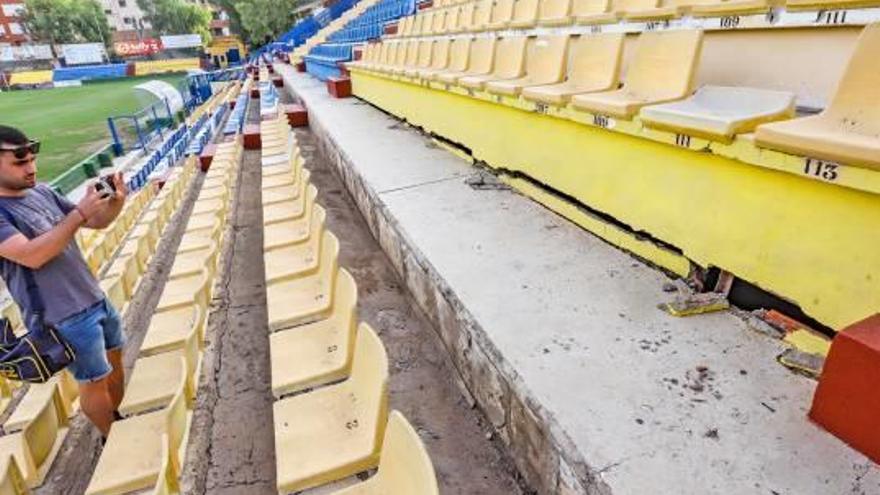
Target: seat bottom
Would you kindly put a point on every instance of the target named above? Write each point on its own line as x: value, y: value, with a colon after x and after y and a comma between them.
x: 820, y: 137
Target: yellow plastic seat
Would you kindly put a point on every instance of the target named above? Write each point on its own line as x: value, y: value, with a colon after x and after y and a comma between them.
x: 720, y: 112
x: 405, y: 467
x: 459, y: 54
x: 342, y: 425
x: 587, y: 12
x: 200, y: 239
x: 400, y: 56
x: 796, y: 5
x: 555, y: 13
x: 482, y: 15
x: 387, y: 57
x: 297, y: 300
x: 213, y: 205
x: 278, y: 180
x: 36, y: 446
x: 502, y: 14
x: 154, y: 379
x: 848, y: 130
x: 296, y: 259
x: 465, y: 17
x: 663, y: 69
x: 667, y: 9
x: 423, y: 60
x: 128, y: 268
x: 140, y: 249
x: 35, y: 398
x: 411, y: 59
x: 114, y: 288
x: 545, y: 64
x: 216, y: 192
x: 450, y: 22
x: 193, y: 262
x: 509, y: 63
x: 320, y: 352
x: 427, y: 23
x: 290, y: 209
x: 184, y: 291
x: 300, y: 188
x: 593, y: 65
x: 439, y: 21
x: 11, y: 479
x: 132, y: 457
x: 169, y: 329
x: 284, y: 231
x: 203, y: 221
x: 149, y: 230
x: 525, y: 14
x: 167, y: 483
x: 731, y: 7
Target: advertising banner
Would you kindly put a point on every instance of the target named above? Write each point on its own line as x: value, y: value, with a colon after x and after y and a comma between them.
x: 83, y: 53
x: 181, y: 41
x: 146, y: 46
x: 22, y: 53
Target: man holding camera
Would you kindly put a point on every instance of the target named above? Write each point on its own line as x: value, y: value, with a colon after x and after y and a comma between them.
x: 42, y: 240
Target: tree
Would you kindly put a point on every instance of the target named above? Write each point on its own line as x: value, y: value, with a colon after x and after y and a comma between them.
x: 67, y: 21
x: 265, y: 19
x: 177, y: 17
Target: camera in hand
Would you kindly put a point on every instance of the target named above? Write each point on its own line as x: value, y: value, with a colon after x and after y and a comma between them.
x: 105, y: 187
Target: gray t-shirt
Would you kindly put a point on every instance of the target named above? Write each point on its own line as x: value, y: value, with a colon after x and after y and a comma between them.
x: 66, y: 284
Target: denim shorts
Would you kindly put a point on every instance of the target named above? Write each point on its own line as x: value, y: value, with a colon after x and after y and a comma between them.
x: 92, y: 332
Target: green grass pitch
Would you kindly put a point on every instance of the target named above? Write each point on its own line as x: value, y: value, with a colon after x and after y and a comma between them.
x: 71, y: 123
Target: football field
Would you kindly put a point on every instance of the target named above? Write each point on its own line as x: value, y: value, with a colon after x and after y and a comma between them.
x: 71, y: 123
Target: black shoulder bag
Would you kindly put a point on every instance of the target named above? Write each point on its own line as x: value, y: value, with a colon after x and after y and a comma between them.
x: 39, y: 354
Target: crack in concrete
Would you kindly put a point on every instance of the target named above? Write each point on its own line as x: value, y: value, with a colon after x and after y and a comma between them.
x: 420, y: 184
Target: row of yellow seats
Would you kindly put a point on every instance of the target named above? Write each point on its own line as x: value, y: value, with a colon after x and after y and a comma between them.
x: 584, y: 72
x: 315, y: 341
x: 487, y: 15
x: 37, y: 427
x: 146, y: 449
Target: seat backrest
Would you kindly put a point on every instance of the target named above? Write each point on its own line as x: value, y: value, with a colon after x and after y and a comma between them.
x: 482, y: 56
x: 439, y: 21
x: 166, y: 482
x: 369, y: 379
x: 664, y: 64
x: 405, y: 466
x: 466, y: 15
x: 458, y: 54
x: 482, y: 13
x: 856, y: 100
x: 452, y: 19
x: 427, y: 22
x: 589, y: 7
x: 11, y: 480
x: 329, y: 257
x: 510, y: 57
x: 345, y: 306
x: 502, y: 11
x: 625, y: 5
x: 545, y: 58
x: 175, y: 415
x: 412, y: 53
x: 440, y: 54
x: 594, y: 60
x: 425, y: 49
x: 525, y: 10
x: 40, y: 434
x: 191, y: 353
x: 554, y: 9
x: 115, y: 290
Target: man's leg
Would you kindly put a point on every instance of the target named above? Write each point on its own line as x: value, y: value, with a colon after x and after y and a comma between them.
x: 116, y: 380
x: 96, y: 403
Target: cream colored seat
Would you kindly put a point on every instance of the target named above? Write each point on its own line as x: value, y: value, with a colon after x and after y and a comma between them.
x: 587, y: 12
x: 279, y: 180
x: 167, y: 483
x: 509, y: 63
x: 36, y: 446
x: 154, y: 379
x: 720, y: 112
x: 11, y: 479
x: 126, y: 267
x: 319, y: 352
x: 423, y: 61
x: 133, y: 456
x: 411, y: 61
x: 731, y: 7
x: 193, y: 262
x: 342, y: 424
x: 287, y: 192
x: 439, y: 59
x: 298, y: 259
x: 593, y: 65
x: 184, y: 291
x: 525, y: 14
x: 35, y: 398
x: 213, y: 205
x: 828, y: 4
x: 405, y: 467
x: 848, y: 130
x: 502, y: 14
x: 297, y: 300
x: 450, y: 23
x: 291, y: 230
x: 439, y: 21
x: 663, y: 69
x: 545, y: 64
x: 169, y: 330
x: 200, y: 239
x: 466, y: 17
x: 555, y: 13
x: 114, y: 289
x: 459, y: 56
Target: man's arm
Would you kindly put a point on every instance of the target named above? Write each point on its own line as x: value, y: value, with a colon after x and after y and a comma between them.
x: 105, y: 217
x: 36, y: 252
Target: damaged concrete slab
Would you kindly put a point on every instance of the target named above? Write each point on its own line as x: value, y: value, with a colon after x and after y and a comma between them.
x: 558, y: 338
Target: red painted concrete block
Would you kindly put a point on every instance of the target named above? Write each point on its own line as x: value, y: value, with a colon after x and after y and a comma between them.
x: 297, y: 115
x: 278, y: 82
x: 391, y: 28
x: 847, y: 400
x: 207, y: 156
x: 255, y: 92
x: 300, y: 66
x: 339, y: 87
x: 271, y: 68
x: 425, y: 5
x: 252, y: 139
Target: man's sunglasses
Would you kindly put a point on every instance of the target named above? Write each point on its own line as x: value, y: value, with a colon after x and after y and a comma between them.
x: 21, y: 151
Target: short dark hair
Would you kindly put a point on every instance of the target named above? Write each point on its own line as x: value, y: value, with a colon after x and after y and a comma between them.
x: 11, y: 135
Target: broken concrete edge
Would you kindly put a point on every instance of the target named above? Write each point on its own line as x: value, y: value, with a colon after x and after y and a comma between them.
x: 543, y: 452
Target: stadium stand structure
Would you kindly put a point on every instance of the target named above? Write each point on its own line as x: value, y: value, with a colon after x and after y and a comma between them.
x: 323, y: 61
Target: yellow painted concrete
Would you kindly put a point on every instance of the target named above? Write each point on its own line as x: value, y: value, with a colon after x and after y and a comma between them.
x: 805, y: 240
